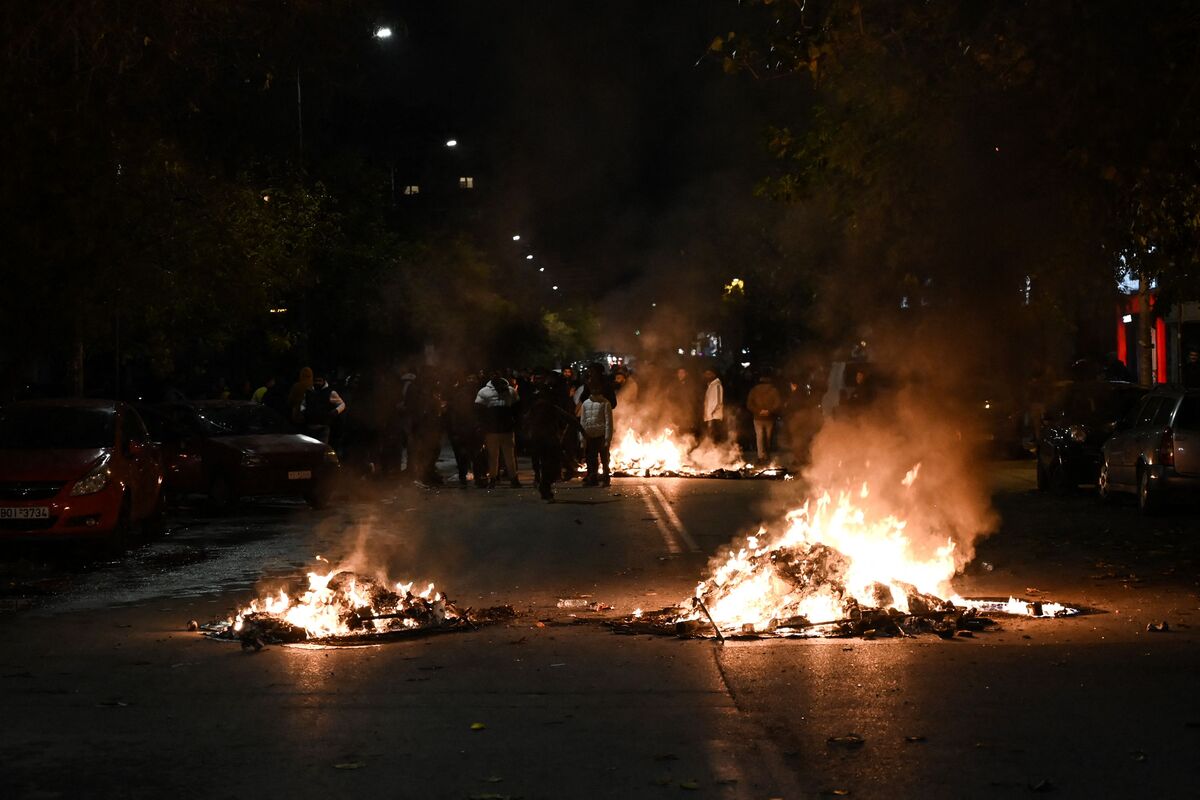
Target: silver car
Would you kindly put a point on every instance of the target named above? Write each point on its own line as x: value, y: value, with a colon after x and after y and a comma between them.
x: 1155, y: 450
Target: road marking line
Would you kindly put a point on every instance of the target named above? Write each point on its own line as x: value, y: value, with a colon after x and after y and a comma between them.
x: 672, y: 546
x: 676, y: 523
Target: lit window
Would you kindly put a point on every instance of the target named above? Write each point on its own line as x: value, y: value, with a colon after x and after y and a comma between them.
x: 466, y: 183
x: 412, y: 189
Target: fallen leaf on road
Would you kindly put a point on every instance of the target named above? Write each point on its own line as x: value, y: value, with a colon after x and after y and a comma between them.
x: 689, y: 785
x: 1159, y: 627
x: 478, y: 726
x: 837, y: 792
x: 349, y: 765
x: 914, y: 738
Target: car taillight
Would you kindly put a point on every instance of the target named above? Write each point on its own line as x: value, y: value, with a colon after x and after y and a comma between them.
x: 1166, y: 450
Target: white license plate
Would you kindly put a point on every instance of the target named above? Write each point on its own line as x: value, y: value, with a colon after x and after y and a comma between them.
x: 300, y: 475
x: 25, y: 512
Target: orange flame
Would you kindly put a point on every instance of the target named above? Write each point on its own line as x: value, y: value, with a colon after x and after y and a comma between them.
x: 669, y: 453
x: 326, y: 608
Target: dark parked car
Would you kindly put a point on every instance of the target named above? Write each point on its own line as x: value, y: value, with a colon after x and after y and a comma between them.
x: 1078, y: 421
x: 76, y: 468
x: 1155, y: 450
x: 228, y: 449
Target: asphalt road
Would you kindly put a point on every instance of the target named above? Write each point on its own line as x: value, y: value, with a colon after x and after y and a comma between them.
x: 103, y: 693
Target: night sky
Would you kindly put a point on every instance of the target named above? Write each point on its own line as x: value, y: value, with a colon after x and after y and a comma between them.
x: 601, y: 131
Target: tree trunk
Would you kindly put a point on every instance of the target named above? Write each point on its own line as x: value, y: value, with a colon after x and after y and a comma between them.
x: 1145, y: 344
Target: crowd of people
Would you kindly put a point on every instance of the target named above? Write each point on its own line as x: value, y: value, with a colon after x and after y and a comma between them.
x: 394, y: 424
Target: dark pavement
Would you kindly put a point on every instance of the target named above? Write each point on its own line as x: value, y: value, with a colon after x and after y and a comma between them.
x: 104, y: 694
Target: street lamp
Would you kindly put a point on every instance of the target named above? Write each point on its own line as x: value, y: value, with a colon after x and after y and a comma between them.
x: 383, y: 32
x: 516, y: 237
x: 452, y: 143
x: 529, y: 257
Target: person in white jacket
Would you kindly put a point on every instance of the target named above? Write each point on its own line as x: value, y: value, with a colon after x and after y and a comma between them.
x: 595, y: 417
x: 714, y: 406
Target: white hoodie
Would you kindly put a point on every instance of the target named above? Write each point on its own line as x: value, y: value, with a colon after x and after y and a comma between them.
x: 595, y: 415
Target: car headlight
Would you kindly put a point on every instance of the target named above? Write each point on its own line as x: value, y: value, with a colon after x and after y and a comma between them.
x: 252, y: 460
x: 1078, y: 433
x: 331, y: 457
x: 94, y: 481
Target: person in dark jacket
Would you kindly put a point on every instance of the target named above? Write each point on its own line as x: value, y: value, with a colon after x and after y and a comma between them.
x: 684, y: 401
x: 424, y: 405
x: 466, y: 435
x: 547, y: 423
x: 323, y: 410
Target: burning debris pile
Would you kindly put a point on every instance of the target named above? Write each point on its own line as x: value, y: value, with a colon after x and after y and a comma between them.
x: 835, y: 571
x: 670, y: 455
x: 341, y: 607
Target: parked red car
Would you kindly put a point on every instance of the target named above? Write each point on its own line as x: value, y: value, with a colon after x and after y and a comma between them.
x: 76, y: 468
x: 228, y: 449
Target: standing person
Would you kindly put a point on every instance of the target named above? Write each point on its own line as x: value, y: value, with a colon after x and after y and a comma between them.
x: 570, y: 382
x: 295, y: 401
x: 595, y: 417
x: 261, y: 391
x: 546, y: 424
x: 714, y: 407
x: 1189, y: 373
x: 275, y: 398
x: 571, y: 450
x: 466, y: 437
x: 403, y: 426
x: 764, y: 403
x: 424, y: 405
x: 683, y: 397
x: 323, y: 410
x: 494, y: 403
x: 626, y: 386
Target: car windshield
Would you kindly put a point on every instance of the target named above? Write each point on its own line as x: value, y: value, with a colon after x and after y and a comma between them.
x: 241, y: 420
x: 56, y: 428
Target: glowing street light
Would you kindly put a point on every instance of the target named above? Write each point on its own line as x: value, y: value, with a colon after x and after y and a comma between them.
x: 529, y: 257
x: 452, y: 143
x: 541, y: 269
x: 554, y: 287
x: 383, y: 32
x: 516, y: 237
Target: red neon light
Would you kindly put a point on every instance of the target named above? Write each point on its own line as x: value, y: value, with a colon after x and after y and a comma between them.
x: 1160, y: 348
x: 1122, y: 343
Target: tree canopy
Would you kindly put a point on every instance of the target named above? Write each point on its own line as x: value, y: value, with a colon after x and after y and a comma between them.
x: 1009, y: 157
